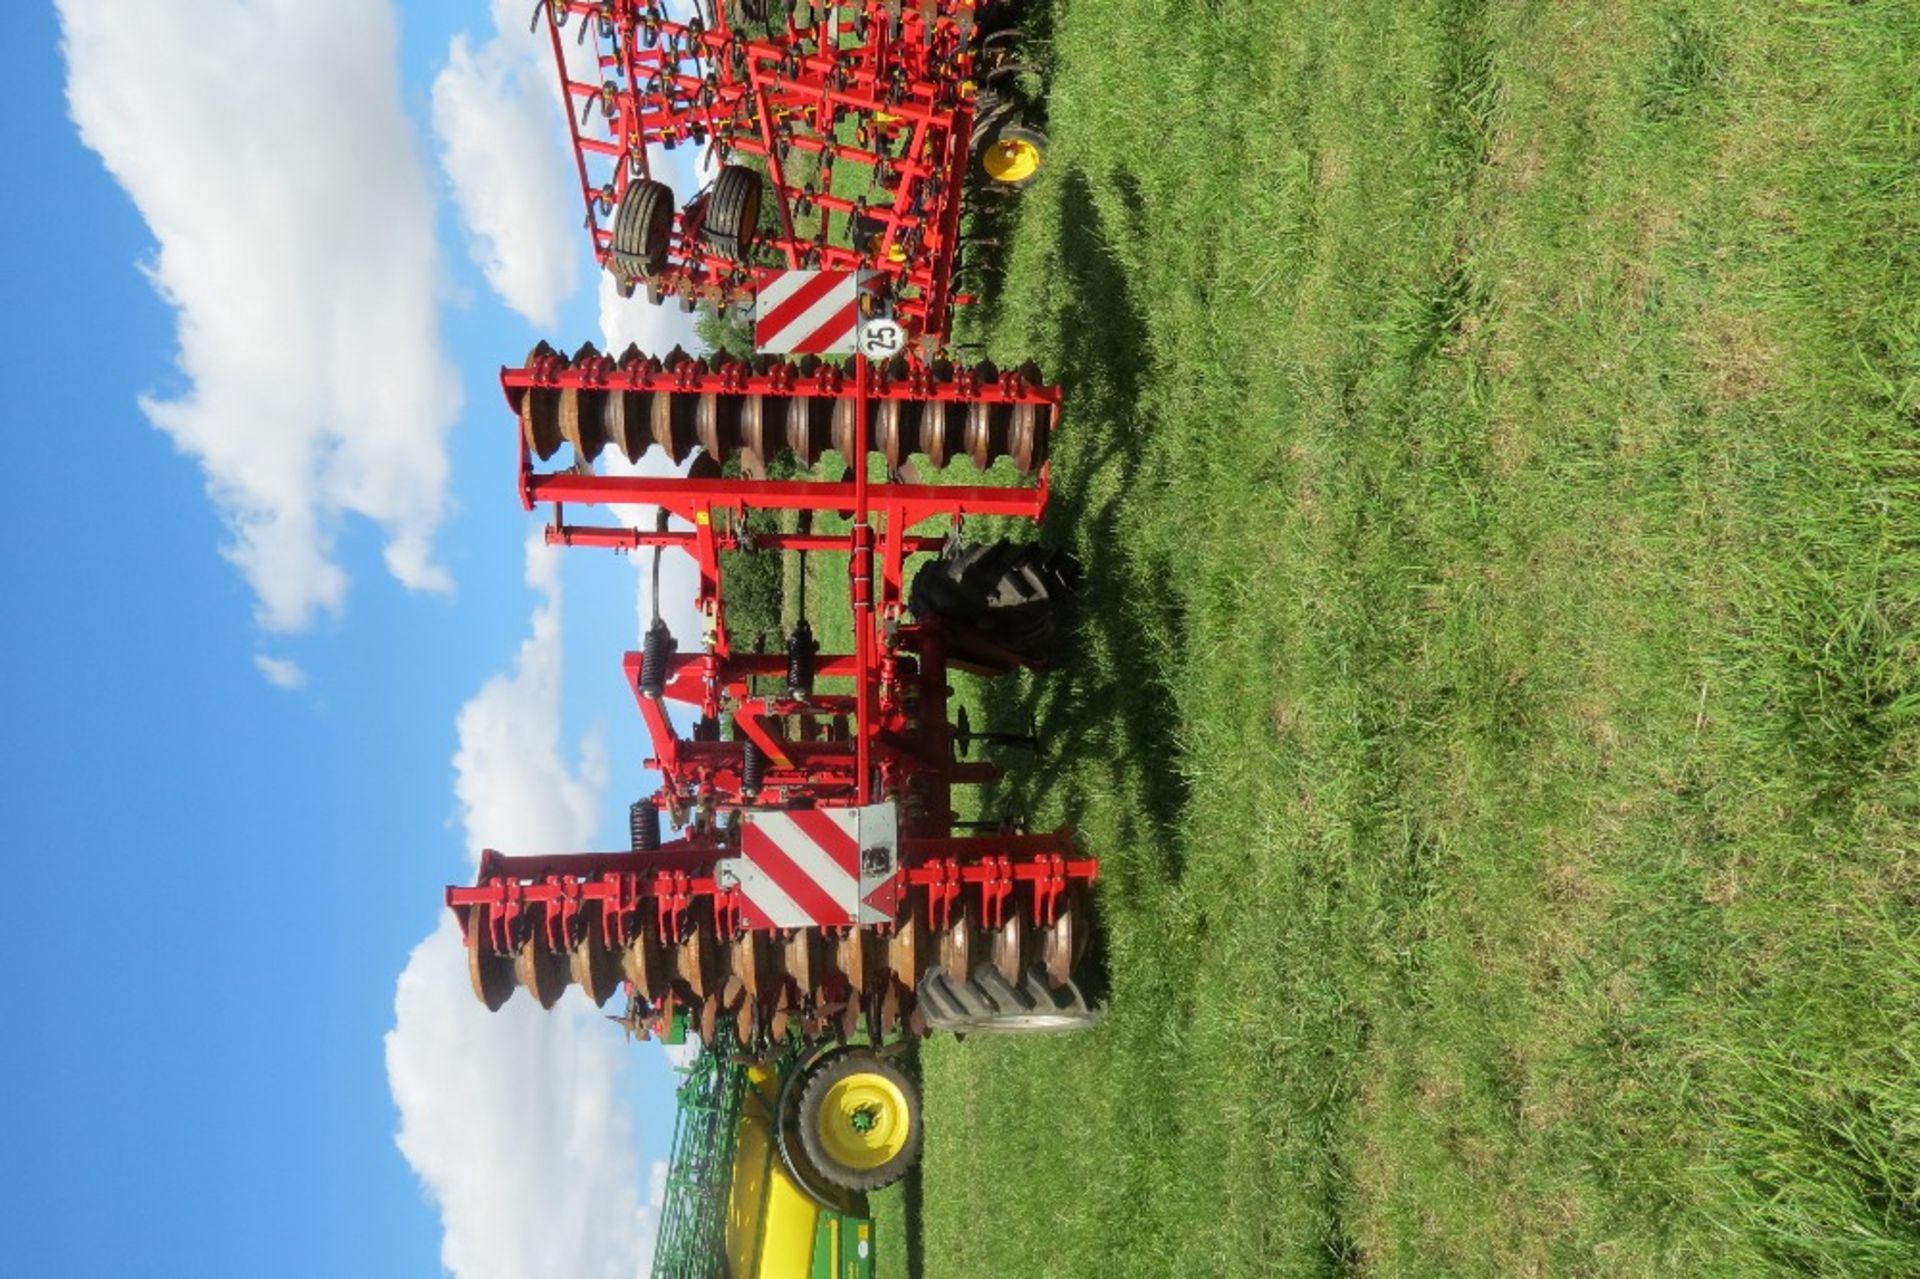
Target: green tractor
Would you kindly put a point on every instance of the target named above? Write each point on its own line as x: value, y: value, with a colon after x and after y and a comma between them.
x: 773, y: 1157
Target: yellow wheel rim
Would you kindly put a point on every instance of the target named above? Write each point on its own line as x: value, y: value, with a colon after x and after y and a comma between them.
x: 1011, y: 160
x: 864, y: 1121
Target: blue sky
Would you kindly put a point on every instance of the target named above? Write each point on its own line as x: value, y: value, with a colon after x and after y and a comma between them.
x: 219, y: 879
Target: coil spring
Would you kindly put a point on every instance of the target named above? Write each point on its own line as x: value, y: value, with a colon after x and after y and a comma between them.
x: 753, y: 767
x: 643, y: 820
x: 801, y: 649
x: 655, y: 651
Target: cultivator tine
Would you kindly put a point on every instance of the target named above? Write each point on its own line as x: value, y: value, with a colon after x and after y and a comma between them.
x: 490, y: 972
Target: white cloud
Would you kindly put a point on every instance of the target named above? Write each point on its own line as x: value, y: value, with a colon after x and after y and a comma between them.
x: 503, y: 141
x: 266, y: 147
x: 514, y: 1120
x: 654, y: 329
x: 281, y: 672
x: 516, y: 791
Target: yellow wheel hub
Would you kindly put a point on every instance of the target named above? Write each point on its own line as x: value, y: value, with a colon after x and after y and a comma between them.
x: 864, y: 1121
x: 1011, y: 160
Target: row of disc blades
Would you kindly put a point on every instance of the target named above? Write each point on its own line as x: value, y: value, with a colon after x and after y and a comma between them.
x: 808, y: 981
x: 757, y: 428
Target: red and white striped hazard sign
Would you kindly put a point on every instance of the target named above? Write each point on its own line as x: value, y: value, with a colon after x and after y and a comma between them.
x: 807, y: 312
x: 816, y: 867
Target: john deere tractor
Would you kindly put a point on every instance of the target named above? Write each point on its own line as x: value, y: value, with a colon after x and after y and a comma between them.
x: 773, y: 1158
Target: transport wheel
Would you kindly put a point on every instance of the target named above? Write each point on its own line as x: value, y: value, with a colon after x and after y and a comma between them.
x: 642, y: 229
x: 490, y: 971
x: 733, y: 212
x: 1013, y: 156
x: 1010, y: 595
x: 990, y: 1004
x: 860, y: 1121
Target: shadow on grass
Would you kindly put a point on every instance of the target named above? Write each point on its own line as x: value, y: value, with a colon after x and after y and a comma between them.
x: 1109, y: 711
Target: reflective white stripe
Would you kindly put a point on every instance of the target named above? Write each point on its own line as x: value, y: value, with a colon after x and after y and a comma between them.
x: 836, y: 302
x: 778, y: 289
x: 767, y: 897
x: 775, y: 289
x: 812, y: 860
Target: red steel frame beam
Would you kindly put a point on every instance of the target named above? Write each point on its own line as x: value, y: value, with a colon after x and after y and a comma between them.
x: 669, y: 879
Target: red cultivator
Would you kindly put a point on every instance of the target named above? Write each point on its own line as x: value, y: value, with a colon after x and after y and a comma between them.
x: 818, y: 881
x: 859, y: 119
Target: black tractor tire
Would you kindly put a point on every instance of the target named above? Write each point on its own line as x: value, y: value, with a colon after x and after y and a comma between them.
x: 642, y: 229
x: 990, y: 1004
x: 1014, y: 596
x: 813, y: 1117
x: 733, y: 212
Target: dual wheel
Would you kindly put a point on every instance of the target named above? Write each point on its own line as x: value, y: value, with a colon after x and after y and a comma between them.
x: 643, y: 227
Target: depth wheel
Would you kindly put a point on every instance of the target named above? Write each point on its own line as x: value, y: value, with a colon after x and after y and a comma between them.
x: 1013, y: 156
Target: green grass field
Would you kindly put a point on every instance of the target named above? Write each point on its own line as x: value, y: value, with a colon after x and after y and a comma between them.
x: 1492, y: 444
